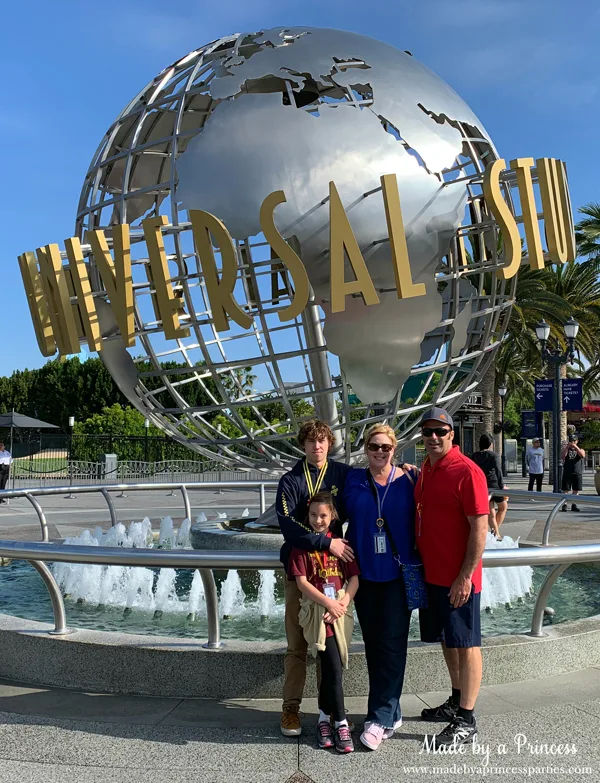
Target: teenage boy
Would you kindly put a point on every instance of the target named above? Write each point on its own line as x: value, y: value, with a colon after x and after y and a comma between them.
x: 451, y: 495
x: 309, y: 475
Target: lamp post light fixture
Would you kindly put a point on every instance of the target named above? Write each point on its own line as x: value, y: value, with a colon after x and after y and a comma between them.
x: 71, y: 496
x: 146, y: 428
x: 502, y: 394
x: 557, y: 357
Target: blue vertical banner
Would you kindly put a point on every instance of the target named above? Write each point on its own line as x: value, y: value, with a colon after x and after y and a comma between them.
x: 532, y: 424
x: 544, y: 391
x: 572, y: 394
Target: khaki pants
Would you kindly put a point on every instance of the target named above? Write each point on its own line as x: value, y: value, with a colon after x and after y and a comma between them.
x: 295, y: 657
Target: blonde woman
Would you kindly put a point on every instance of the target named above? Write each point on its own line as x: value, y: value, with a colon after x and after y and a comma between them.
x: 380, y: 508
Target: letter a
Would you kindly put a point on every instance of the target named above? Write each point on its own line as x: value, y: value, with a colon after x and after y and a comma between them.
x: 342, y: 241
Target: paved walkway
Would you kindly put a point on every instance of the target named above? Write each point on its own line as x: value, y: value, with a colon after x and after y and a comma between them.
x: 56, y: 736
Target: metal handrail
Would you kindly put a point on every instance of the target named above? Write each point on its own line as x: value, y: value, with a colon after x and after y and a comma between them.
x: 34, y: 552
x: 105, y: 489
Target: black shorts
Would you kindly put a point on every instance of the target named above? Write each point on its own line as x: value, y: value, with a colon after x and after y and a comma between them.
x: 572, y: 481
x: 498, y: 498
x: 442, y: 622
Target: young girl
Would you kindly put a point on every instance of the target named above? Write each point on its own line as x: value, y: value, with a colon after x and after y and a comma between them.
x: 320, y: 577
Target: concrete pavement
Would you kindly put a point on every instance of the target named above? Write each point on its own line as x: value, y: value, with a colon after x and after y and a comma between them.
x: 58, y: 735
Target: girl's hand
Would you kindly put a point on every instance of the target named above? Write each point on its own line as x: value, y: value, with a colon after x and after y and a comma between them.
x: 335, y: 609
x: 345, y: 600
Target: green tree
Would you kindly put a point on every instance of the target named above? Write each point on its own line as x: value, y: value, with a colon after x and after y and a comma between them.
x: 587, y: 230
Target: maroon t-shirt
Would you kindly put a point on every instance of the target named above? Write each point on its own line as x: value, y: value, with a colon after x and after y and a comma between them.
x: 320, y: 568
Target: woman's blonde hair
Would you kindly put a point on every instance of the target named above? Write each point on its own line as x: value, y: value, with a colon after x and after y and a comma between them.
x: 381, y: 429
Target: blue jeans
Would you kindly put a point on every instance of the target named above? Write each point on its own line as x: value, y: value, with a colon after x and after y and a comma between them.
x: 384, y: 618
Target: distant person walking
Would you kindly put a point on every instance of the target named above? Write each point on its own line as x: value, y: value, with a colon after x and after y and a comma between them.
x: 5, y: 460
x: 536, y: 465
x: 572, y: 478
x: 490, y: 464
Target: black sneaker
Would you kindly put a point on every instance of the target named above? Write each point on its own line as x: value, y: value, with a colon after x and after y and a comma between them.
x: 343, y: 740
x: 446, y: 711
x: 575, y: 507
x: 324, y: 734
x: 564, y: 507
x: 457, y: 732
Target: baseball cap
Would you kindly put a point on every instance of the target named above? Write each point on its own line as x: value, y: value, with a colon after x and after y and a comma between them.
x: 573, y: 438
x: 437, y: 414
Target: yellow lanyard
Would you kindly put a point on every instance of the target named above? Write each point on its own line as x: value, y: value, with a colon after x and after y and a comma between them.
x: 322, y: 565
x: 421, y: 503
x: 312, y: 491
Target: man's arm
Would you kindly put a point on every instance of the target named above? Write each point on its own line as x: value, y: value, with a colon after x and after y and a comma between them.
x: 461, y: 587
x: 564, y: 450
x: 298, y: 533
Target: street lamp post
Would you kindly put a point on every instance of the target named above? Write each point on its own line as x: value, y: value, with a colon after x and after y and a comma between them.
x: 557, y: 358
x: 146, y: 427
x: 71, y: 496
x: 502, y: 394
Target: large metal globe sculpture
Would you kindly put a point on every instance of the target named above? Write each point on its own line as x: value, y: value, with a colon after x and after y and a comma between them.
x: 293, y: 109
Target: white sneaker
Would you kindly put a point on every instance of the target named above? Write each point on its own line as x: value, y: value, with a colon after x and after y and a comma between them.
x: 387, y: 733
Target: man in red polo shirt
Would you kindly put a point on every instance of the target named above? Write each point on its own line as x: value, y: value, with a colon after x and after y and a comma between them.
x: 451, y: 496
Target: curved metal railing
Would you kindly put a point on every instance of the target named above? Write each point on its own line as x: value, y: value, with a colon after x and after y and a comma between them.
x: 106, y: 489
x: 36, y: 553
x: 39, y: 553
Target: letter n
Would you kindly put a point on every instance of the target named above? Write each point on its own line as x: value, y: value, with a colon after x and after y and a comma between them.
x: 56, y: 291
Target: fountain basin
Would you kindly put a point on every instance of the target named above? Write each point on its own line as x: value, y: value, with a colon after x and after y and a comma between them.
x: 102, y: 662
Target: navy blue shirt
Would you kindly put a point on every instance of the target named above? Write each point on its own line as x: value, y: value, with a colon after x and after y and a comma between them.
x: 291, y: 505
x: 399, y: 513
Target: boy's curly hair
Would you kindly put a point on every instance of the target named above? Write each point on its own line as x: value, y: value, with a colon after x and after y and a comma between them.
x: 315, y: 430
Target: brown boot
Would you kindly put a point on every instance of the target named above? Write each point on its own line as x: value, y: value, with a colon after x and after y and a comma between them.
x: 290, y: 722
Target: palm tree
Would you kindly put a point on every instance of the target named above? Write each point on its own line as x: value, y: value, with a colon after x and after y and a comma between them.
x: 587, y: 231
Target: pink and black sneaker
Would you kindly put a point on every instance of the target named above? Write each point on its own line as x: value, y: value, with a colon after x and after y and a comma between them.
x: 343, y: 740
x: 324, y: 734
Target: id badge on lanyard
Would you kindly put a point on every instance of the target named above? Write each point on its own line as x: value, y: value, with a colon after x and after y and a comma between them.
x: 329, y: 590
x: 380, y: 539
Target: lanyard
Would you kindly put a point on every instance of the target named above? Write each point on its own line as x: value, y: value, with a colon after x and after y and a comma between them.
x: 312, y: 491
x: 381, y: 501
x: 421, y: 503
x: 322, y: 564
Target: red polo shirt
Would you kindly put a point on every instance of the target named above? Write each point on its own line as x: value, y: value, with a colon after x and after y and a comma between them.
x: 446, y: 494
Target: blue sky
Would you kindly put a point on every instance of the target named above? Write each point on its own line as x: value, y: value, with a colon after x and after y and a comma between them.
x: 528, y: 69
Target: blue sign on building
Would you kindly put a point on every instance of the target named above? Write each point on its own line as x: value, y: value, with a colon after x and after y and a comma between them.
x: 572, y: 394
x: 544, y: 392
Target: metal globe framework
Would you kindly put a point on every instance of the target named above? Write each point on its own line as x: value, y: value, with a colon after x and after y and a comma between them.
x: 239, y: 396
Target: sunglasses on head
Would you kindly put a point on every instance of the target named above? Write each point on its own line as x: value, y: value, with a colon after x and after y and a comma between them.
x: 439, y: 431
x: 385, y: 447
